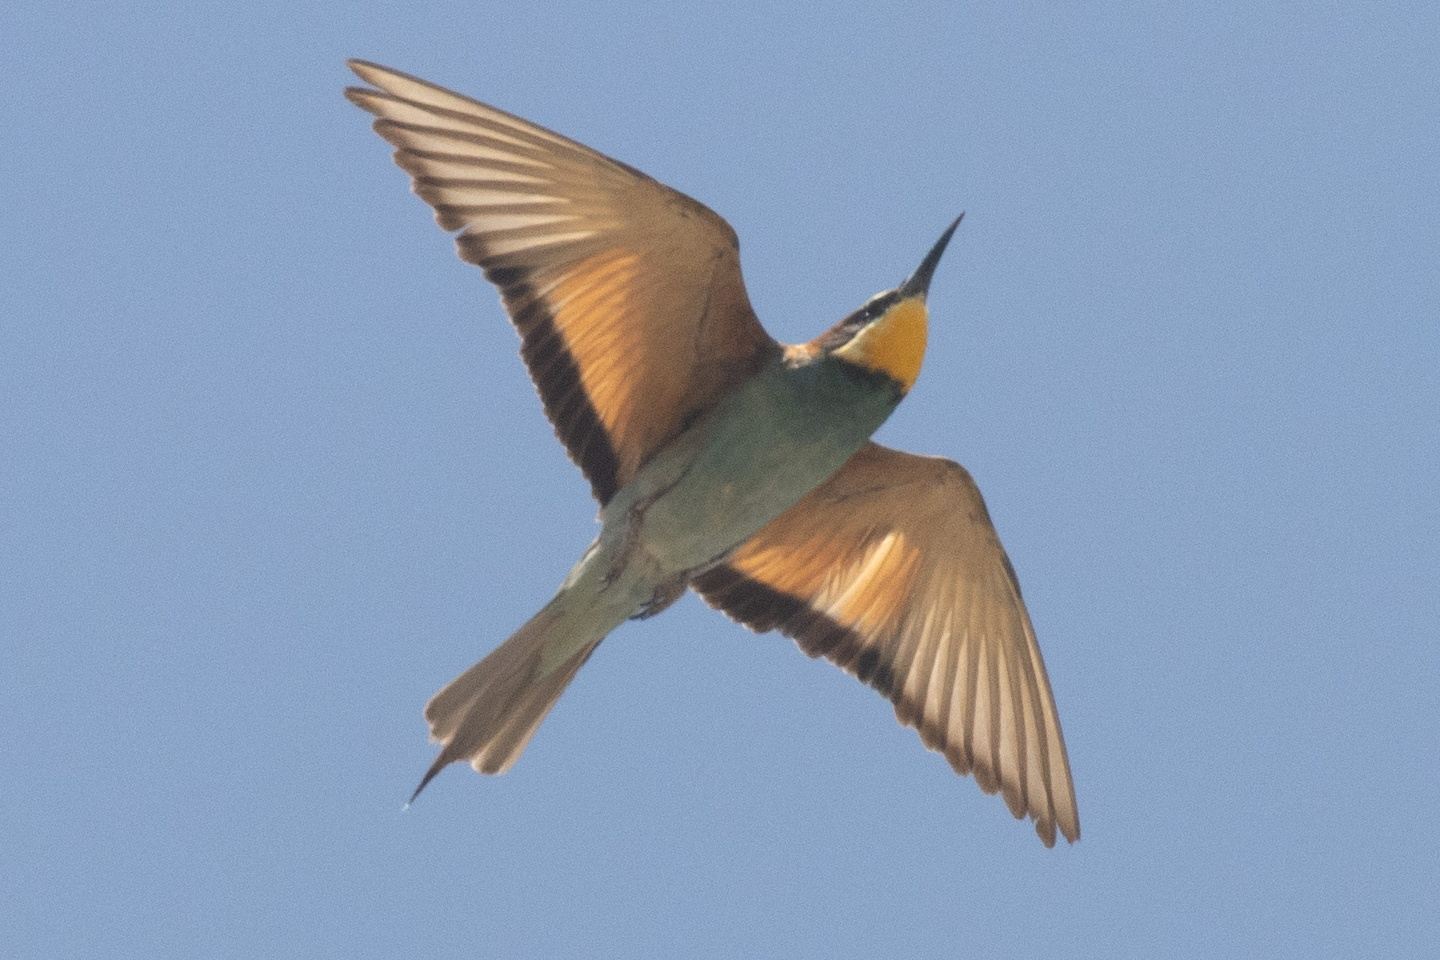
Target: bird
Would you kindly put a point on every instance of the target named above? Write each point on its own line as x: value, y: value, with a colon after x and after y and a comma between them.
x: 723, y: 462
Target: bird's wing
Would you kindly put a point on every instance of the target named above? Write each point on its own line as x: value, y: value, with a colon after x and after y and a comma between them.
x: 892, y: 570
x: 632, y: 313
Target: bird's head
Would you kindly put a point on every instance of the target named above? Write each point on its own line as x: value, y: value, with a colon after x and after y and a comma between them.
x: 887, y: 334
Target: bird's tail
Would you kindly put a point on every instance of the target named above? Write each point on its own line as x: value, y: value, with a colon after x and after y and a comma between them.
x: 488, y: 714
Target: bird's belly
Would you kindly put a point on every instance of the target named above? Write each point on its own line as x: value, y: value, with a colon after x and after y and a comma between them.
x: 722, y: 502
x: 754, y: 457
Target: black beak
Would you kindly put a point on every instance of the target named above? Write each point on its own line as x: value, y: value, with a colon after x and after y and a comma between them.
x: 919, y: 281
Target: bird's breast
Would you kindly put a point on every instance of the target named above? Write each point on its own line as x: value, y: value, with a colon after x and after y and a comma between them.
x: 763, y: 447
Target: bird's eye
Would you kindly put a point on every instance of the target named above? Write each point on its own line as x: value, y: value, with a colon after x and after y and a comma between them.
x: 878, y: 304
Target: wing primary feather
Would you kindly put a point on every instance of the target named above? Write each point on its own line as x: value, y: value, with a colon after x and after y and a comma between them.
x: 1011, y: 786
x: 962, y: 754
x: 472, y: 170
x: 1030, y: 762
x: 421, y: 115
x: 972, y: 692
x: 992, y: 674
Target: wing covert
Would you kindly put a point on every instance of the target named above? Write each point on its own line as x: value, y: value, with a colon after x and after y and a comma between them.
x: 627, y: 295
x: 892, y: 570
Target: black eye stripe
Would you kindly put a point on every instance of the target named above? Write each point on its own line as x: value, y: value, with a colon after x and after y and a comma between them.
x: 844, y: 331
x: 873, y: 310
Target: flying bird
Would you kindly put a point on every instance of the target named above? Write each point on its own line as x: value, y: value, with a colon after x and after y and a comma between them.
x: 723, y: 461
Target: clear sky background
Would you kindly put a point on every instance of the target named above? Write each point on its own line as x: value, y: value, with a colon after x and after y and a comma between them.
x: 271, y: 473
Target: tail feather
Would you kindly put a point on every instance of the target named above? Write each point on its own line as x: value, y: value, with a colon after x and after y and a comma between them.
x: 526, y: 718
x: 488, y: 714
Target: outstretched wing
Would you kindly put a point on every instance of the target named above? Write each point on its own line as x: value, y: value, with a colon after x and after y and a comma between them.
x: 632, y: 313
x: 892, y: 570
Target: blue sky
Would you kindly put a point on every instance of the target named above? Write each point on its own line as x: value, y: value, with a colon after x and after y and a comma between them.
x: 272, y: 473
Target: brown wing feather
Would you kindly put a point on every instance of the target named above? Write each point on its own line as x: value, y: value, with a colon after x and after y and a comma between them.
x: 892, y: 570
x: 627, y: 295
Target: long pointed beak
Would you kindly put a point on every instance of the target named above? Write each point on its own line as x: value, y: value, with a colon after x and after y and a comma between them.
x: 919, y: 281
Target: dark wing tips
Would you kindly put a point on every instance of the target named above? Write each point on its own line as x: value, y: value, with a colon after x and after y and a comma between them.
x: 362, y: 67
x: 382, y: 77
x: 374, y: 75
x: 360, y: 96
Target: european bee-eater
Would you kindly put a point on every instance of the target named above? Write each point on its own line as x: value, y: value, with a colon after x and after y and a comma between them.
x: 722, y: 460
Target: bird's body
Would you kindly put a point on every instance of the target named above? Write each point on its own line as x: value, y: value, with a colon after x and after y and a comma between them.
x: 782, y: 431
x: 776, y: 437
x: 723, y: 461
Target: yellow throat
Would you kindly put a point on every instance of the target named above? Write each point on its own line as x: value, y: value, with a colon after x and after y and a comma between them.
x: 893, y: 345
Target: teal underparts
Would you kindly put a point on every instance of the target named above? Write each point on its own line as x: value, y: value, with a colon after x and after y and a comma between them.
x: 766, y: 445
